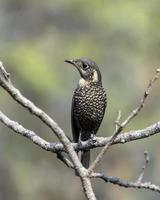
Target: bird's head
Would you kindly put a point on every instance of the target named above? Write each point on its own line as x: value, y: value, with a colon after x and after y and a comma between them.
x: 87, y: 68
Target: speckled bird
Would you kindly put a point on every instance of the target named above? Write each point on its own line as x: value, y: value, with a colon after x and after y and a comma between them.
x: 88, y: 103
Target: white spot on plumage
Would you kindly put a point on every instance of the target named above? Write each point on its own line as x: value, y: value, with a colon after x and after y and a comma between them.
x: 95, y: 76
x: 82, y: 82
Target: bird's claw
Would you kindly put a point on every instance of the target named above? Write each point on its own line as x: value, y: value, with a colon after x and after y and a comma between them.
x: 93, y: 138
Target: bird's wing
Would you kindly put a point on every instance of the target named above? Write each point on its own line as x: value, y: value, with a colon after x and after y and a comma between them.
x: 75, y: 129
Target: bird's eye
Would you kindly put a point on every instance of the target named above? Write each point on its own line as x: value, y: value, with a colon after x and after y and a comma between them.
x: 85, y: 66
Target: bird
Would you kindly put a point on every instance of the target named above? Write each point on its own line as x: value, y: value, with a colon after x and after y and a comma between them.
x: 88, y: 104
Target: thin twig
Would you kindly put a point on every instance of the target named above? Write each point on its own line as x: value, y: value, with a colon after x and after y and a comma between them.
x: 146, y: 157
x: 5, y: 74
x: 145, y: 95
x: 117, y: 122
x: 124, y: 123
x: 65, y: 160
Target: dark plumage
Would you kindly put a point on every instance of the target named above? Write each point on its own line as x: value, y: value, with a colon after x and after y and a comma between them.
x: 88, y: 103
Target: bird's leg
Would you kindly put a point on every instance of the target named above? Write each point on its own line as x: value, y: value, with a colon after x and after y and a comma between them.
x: 93, y: 138
x: 79, y: 144
x: 80, y: 140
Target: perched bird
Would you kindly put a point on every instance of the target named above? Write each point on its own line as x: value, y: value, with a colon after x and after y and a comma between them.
x: 88, y: 103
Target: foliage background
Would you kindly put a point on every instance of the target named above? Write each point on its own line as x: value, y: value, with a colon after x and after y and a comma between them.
x: 123, y: 37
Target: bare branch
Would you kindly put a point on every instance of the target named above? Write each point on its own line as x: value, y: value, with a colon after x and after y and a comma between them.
x: 3, y: 72
x: 127, y: 184
x: 17, y: 96
x: 140, y: 178
x: 117, y: 122
x: 16, y: 127
x: 122, y: 138
x: 146, y: 94
x: 65, y: 160
x: 65, y: 145
x: 121, y: 126
x: 86, y: 184
x: 99, y: 141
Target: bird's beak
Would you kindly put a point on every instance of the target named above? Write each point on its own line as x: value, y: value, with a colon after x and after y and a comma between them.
x: 70, y: 62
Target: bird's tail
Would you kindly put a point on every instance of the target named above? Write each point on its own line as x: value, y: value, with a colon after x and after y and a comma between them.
x: 85, y: 158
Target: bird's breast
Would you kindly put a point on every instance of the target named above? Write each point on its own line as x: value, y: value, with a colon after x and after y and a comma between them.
x: 89, y: 105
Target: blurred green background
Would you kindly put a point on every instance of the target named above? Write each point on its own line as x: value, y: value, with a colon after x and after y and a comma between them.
x: 123, y: 37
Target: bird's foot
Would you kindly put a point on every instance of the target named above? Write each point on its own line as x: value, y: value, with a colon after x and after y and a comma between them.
x: 93, y: 139
x: 79, y: 141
